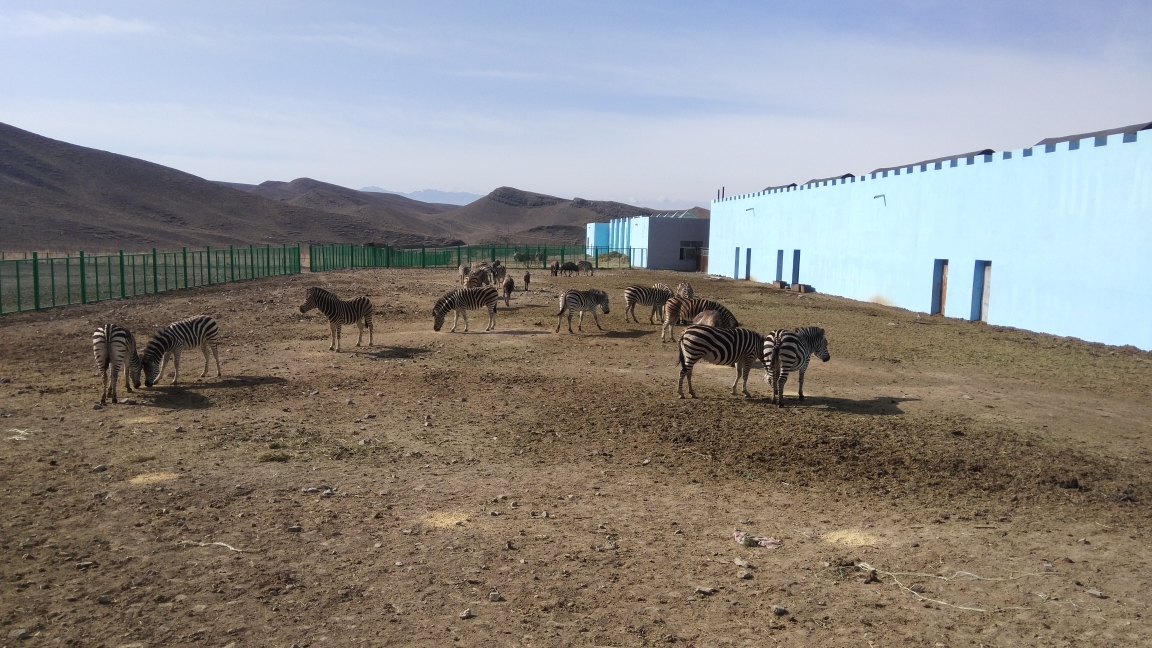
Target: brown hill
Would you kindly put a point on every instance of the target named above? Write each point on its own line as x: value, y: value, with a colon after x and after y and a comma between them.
x: 59, y: 196
x: 512, y: 215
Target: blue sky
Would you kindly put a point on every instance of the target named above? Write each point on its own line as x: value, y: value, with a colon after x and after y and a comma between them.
x: 655, y: 103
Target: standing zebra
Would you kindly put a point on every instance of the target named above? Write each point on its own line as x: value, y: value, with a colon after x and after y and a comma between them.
x: 499, y: 272
x: 527, y: 278
x: 555, y: 268
x: 683, y: 308
x: 584, y: 266
x: 737, y: 346
x: 639, y: 295
x: 464, y: 270
x: 573, y: 301
x: 477, y: 278
x: 509, y: 286
x: 115, y: 348
x: 786, y: 351
x: 685, y: 290
x: 463, y: 300
x: 708, y: 318
x: 357, y: 311
x: 193, y: 332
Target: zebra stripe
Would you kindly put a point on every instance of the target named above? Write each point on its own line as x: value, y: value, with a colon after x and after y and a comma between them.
x: 357, y: 311
x: 683, y: 308
x: 581, y: 301
x: 685, y: 290
x: 786, y: 351
x: 478, y: 278
x: 193, y: 332
x: 463, y: 300
x: 115, y: 348
x: 584, y: 266
x: 643, y: 296
x: 499, y: 272
x: 737, y: 346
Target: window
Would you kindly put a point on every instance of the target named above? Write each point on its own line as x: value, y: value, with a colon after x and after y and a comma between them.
x: 690, y: 249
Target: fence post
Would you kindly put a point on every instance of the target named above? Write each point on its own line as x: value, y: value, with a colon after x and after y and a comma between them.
x: 231, y: 263
x: 184, y: 251
x: 18, y: 304
x: 421, y: 256
x: 155, y: 272
x: 251, y: 264
x: 83, y: 281
x: 123, y: 286
x: 35, y: 281
x: 208, y: 262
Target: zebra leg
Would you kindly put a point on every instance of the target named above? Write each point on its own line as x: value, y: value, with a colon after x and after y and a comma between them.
x: 127, y: 378
x: 800, y: 379
x: 491, y: 319
x: 780, y: 382
x: 112, y: 382
x: 332, y: 330
x: 204, y: 350
x: 560, y: 318
x: 163, y: 364
x: 103, y: 385
x: 597, y: 320
x: 688, y: 371
x: 368, y: 323
x: 465, y: 313
x: 747, y: 369
x: 359, y: 331
x: 176, y: 364
x: 579, y: 322
x: 216, y: 356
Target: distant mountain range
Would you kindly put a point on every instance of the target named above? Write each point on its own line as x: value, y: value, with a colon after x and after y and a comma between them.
x: 431, y: 195
x: 62, y: 197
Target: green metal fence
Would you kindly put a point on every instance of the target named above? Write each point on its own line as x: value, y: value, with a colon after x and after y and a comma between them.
x: 335, y: 257
x: 35, y: 282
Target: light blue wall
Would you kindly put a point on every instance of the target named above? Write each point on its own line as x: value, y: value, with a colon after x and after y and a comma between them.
x: 597, y: 236
x: 1068, y: 234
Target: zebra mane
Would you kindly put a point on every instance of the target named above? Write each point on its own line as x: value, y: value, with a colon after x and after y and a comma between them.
x: 598, y: 294
x: 444, y: 304
x: 810, y: 332
x: 317, y: 290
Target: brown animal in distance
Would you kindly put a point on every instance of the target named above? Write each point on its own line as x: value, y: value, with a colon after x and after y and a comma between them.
x: 509, y: 286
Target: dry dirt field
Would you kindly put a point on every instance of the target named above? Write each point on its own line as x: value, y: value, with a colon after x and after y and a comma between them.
x: 996, y: 480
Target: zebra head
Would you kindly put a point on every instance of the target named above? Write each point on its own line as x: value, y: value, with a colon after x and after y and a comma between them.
x: 813, y: 336
x: 150, y: 363
x: 311, y: 299
x: 601, y: 298
x: 135, y: 365
x: 443, y: 305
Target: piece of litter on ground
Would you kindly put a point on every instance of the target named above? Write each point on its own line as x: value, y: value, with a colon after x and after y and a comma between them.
x: 749, y: 540
x: 1096, y: 593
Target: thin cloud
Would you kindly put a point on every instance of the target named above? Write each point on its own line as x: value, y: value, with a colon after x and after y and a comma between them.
x: 38, y: 24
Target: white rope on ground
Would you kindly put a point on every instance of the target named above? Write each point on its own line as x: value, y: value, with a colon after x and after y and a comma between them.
x: 960, y: 575
x: 209, y: 544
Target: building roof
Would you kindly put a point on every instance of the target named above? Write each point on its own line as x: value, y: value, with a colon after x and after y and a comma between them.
x: 786, y: 186
x: 687, y: 213
x: 947, y: 158
x: 1104, y: 133
x: 839, y: 177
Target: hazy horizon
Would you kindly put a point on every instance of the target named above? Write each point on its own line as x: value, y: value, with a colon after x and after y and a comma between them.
x: 656, y: 104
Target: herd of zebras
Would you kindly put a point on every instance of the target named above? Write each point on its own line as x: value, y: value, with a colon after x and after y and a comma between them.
x: 713, y: 333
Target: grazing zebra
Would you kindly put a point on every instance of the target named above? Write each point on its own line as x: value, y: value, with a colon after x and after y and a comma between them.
x: 114, y: 347
x: 709, y: 318
x: 569, y: 269
x: 682, y: 308
x: 555, y: 267
x: 193, y: 332
x: 464, y: 270
x: 509, y: 286
x: 639, y: 295
x: 527, y: 278
x: 357, y: 311
x: 574, y: 301
x: 463, y: 300
x: 786, y: 351
x: 685, y: 290
x: 737, y: 346
x: 584, y: 266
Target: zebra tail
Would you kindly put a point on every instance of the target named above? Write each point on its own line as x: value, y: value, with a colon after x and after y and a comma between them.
x: 680, y: 350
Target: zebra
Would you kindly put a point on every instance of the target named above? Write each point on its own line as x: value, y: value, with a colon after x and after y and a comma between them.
x: 584, y: 266
x: 736, y: 346
x: 194, y: 332
x: 555, y: 268
x: 499, y: 272
x: 463, y: 300
x: 464, y: 270
x: 709, y: 318
x: 527, y: 279
x: 357, y: 311
x: 682, y: 308
x: 574, y: 301
x: 114, y: 348
x: 477, y: 278
x: 685, y: 290
x: 569, y: 269
x: 509, y: 286
x: 786, y: 351
x: 639, y: 295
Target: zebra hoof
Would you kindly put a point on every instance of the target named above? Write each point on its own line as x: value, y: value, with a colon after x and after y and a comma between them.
x: 681, y: 397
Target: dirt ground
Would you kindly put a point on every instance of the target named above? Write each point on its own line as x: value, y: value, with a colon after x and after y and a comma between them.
x: 996, y: 480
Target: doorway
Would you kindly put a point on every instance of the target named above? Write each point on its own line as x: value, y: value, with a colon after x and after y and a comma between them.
x: 939, y: 286
x: 981, y: 290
